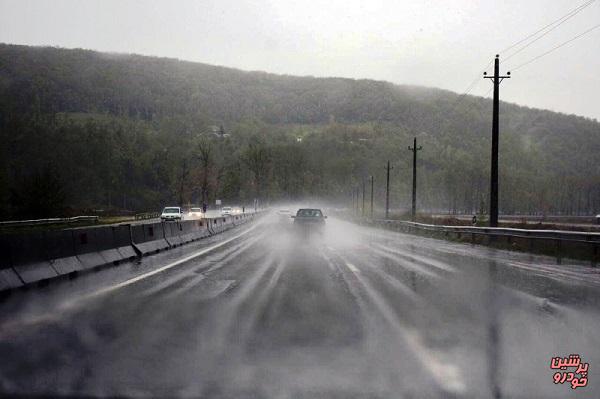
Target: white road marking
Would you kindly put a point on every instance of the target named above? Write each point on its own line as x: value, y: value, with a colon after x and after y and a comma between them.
x: 166, y: 267
x: 352, y: 267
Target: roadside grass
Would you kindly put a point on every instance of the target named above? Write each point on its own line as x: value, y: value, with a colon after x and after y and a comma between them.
x: 102, y: 220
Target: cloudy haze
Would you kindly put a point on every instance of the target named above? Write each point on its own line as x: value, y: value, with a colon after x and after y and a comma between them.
x: 443, y: 44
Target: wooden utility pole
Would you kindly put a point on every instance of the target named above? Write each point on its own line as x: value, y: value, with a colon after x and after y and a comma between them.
x: 387, y: 191
x: 363, y: 197
x: 414, y: 149
x: 371, y: 197
x: 496, y: 79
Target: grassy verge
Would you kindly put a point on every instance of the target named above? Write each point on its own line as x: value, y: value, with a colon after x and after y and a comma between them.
x: 103, y: 220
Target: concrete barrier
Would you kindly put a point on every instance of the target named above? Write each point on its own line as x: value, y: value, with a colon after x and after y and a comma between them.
x: 122, y: 241
x: 60, y: 250
x: 218, y: 227
x: 222, y: 224
x: 149, y: 238
x: 188, y: 227
x: 94, y: 247
x: 173, y: 232
x: 211, y: 226
x: 37, y: 256
x: 201, y: 229
x: 8, y: 277
x: 28, y: 257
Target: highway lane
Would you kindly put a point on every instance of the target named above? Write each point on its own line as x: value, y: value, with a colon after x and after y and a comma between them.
x: 263, y: 313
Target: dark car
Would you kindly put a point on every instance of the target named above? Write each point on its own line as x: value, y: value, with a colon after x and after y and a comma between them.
x: 309, y: 218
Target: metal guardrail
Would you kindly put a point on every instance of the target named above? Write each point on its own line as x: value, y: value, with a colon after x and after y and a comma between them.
x: 38, y: 222
x: 559, y: 239
x: 147, y: 215
x: 529, y: 233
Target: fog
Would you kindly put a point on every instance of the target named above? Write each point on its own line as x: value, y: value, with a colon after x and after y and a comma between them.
x: 284, y: 312
x: 442, y: 44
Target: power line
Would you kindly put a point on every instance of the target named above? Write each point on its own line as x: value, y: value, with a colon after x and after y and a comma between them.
x: 564, y: 19
x: 568, y: 15
x: 555, y: 48
x: 552, y: 25
x: 546, y: 29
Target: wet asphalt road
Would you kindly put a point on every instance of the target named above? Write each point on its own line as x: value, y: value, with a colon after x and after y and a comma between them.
x: 262, y: 312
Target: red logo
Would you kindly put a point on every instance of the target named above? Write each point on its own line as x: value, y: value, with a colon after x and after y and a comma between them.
x: 577, y: 378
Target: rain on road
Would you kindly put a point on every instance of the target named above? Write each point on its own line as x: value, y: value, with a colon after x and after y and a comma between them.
x: 261, y: 312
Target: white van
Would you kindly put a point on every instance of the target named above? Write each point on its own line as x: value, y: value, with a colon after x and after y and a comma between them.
x: 171, y: 213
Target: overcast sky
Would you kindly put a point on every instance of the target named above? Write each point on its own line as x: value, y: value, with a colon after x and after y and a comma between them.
x: 436, y: 43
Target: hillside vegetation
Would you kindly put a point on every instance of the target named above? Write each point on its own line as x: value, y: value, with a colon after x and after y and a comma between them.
x: 82, y: 130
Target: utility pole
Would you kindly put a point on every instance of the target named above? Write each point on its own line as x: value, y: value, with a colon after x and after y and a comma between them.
x: 387, y: 191
x: 414, y: 149
x: 371, y: 197
x: 496, y: 79
x: 363, y: 197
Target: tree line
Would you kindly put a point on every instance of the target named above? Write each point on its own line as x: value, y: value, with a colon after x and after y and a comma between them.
x: 83, y: 131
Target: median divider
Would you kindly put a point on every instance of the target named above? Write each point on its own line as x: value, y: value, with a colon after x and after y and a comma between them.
x: 188, y: 228
x: 28, y: 257
x: 201, y: 229
x: 94, y: 247
x: 32, y: 257
x: 222, y: 223
x: 9, y: 279
x: 122, y: 241
x: 239, y: 219
x: 149, y: 238
x: 60, y: 249
x: 173, y: 231
x: 212, y: 226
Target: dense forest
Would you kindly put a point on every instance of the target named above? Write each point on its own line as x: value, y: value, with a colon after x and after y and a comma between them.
x: 82, y: 131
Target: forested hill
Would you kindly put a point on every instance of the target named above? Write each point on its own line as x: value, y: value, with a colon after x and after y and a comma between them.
x: 78, y: 118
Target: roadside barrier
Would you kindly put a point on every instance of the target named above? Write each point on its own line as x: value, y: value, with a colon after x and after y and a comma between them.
x: 173, y: 231
x: 32, y: 257
x: 28, y: 257
x: 60, y: 250
x: 95, y: 247
x: 148, y: 238
x: 8, y: 277
x: 239, y: 219
x: 122, y: 241
x: 222, y: 223
x: 201, y: 229
x: 147, y: 215
x: 188, y: 229
x: 37, y: 222
x: 560, y: 243
x: 212, y: 224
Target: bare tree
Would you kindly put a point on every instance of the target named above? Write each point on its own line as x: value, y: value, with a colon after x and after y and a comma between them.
x: 256, y: 157
x: 205, y: 155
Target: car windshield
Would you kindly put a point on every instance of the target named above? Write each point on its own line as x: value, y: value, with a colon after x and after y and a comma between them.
x: 460, y: 253
x: 312, y: 213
